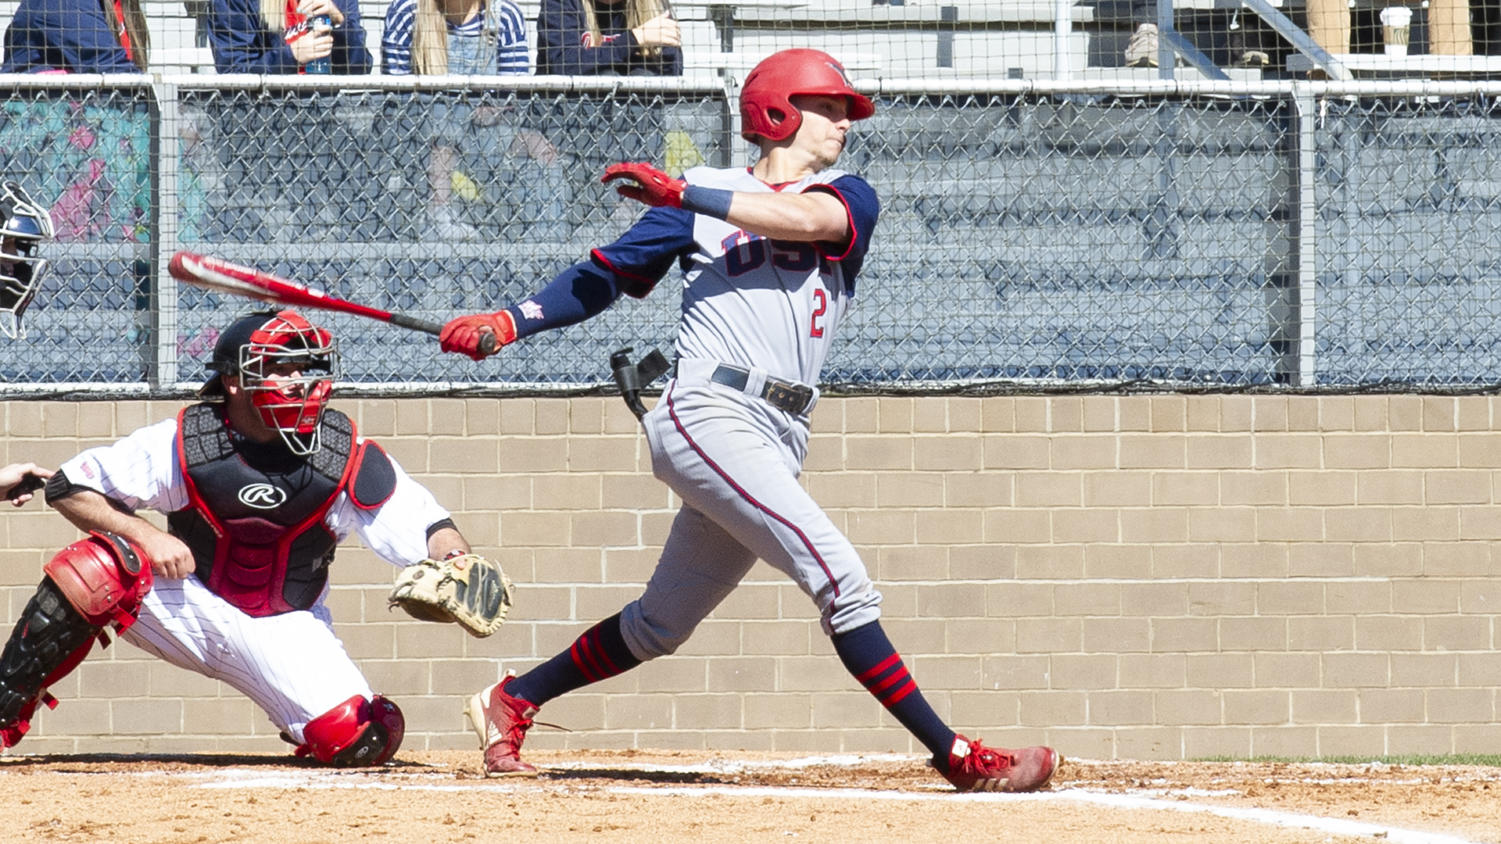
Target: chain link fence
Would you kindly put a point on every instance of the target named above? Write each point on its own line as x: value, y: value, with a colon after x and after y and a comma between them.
x: 1033, y: 236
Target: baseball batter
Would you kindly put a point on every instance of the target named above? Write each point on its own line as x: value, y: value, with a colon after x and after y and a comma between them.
x: 771, y: 257
x: 259, y: 484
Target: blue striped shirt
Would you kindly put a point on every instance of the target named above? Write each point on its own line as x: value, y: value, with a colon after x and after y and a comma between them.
x: 510, y: 46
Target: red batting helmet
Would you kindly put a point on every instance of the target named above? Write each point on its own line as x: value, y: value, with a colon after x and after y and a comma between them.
x: 766, y: 108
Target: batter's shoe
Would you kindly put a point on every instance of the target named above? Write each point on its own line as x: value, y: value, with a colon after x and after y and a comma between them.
x: 975, y: 767
x: 501, y: 721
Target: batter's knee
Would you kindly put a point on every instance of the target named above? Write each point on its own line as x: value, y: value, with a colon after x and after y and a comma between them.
x: 356, y: 733
x: 648, y: 638
x: 852, y: 610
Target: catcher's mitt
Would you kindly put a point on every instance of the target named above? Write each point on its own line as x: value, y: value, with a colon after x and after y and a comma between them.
x: 468, y: 590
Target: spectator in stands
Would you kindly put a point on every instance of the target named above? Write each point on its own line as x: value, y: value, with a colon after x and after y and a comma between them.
x: 77, y: 36
x: 1329, y: 25
x: 274, y: 36
x: 603, y: 37
x: 1249, y: 40
x: 1449, y: 28
x: 434, y: 37
x: 467, y: 37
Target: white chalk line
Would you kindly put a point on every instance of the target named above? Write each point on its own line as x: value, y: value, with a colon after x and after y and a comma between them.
x: 245, y: 778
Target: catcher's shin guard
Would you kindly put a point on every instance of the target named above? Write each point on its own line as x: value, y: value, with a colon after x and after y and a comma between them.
x: 356, y: 733
x: 49, y: 632
x: 89, y: 584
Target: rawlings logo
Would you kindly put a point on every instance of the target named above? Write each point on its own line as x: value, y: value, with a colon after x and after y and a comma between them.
x: 262, y: 496
x: 839, y: 69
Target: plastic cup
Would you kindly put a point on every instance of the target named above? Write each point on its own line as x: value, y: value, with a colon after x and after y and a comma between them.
x: 1396, y: 29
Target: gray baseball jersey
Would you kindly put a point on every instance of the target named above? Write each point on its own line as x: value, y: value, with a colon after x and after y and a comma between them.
x: 758, y: 318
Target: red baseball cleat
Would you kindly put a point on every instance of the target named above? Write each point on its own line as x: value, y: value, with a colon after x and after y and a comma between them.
x: 501, y: 721
x: 975, y: 767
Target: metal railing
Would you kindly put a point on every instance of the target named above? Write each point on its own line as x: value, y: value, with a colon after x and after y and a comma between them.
x: 1034, y: 235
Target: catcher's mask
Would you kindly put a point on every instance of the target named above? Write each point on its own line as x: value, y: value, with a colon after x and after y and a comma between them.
x: 766, y: 108
x: 24, y: 226
x: 286, y: 365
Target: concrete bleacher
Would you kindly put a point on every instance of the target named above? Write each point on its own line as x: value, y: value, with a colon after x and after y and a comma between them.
x: 178, y: 42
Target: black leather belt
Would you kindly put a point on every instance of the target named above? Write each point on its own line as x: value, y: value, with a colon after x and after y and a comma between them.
x: 782, y: 395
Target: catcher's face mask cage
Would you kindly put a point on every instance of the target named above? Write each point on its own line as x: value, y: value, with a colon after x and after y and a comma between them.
x: 287, y: 369
x: 23, y: 226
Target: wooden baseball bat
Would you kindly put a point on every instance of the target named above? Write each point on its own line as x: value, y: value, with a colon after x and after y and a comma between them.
x: 224, y: 276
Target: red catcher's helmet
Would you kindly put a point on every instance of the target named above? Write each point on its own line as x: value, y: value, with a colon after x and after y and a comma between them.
x: 766, y: 108
x: 256, y: 348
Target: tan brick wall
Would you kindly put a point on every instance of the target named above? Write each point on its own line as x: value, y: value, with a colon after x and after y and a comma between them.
x: 1138, y: 576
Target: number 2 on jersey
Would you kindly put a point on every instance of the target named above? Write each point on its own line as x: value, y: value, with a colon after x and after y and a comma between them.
x: 744, y: 252
x: 820, y: 307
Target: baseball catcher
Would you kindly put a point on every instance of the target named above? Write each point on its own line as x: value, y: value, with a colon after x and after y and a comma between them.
x: 259, y: 483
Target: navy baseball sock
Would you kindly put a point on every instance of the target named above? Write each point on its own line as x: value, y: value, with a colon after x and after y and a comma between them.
x: 870, y: 656
x: 597, y: 655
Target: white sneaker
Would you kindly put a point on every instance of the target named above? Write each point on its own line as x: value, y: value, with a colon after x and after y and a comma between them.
x: 1142, y: 51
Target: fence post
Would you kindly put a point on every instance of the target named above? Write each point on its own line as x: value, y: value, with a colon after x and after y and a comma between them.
x: 1063, y: 27
x: 1303, y: 311
x: 165, y: 160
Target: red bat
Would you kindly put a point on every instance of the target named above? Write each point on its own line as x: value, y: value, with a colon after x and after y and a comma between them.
x: 218, y: 274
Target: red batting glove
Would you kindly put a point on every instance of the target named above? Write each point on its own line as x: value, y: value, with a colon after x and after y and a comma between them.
x: 652, y: 186
x: 464, y: 334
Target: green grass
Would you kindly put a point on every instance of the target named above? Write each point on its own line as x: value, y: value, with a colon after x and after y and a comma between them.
x: 1491, y: 760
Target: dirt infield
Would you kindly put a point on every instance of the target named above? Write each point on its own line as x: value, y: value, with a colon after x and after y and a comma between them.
x: 671, y: 796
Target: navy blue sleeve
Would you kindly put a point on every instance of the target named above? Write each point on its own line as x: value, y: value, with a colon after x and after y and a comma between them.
x: 350, y: 55
x: 641, y: 256
x: 577, y: 293
x: 860, y: 201
x: 71, y: 35
x: 241, y: 42
x: 632, y: 265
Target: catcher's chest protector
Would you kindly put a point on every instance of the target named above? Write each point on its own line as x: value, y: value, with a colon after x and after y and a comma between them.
x: 271, y: 551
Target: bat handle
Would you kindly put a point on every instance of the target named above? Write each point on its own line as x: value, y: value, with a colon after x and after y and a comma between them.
x: 486, y: 342
x: 417, y: 324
